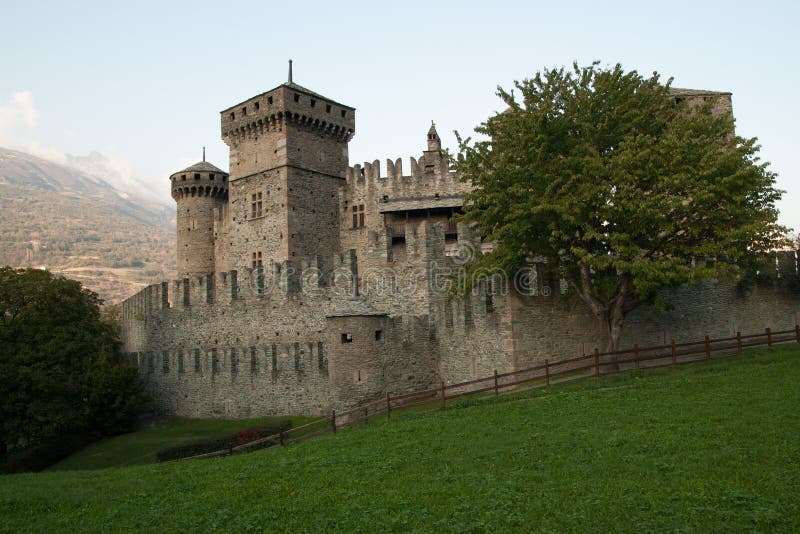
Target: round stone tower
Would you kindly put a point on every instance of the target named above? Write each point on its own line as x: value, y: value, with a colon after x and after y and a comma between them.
x: 198, y: 190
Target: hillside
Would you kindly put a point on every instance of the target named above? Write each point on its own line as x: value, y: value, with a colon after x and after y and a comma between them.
x: 711, y: 446
x: 78, y: 224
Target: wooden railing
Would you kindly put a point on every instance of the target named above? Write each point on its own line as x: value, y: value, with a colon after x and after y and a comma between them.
x: 591, y: 365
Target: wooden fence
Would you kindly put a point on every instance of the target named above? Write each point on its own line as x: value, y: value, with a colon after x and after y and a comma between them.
x: 592, y: 365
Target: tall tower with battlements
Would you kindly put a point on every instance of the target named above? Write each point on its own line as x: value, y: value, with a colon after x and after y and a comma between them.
x: 288, y: 158
x: 200, y: 191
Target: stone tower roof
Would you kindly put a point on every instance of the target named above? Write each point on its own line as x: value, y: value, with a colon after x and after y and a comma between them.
x: 202, y: 166
x: 678, y: 91
x: 356, y: 307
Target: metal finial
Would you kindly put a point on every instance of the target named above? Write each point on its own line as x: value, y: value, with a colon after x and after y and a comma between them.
x: 290, y: 71
x: 204, y: 153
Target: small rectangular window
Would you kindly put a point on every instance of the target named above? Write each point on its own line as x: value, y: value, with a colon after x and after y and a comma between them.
x: 358, y: 216
x: 257, y: 106
x: 313, y: 102
x: 269, y: 100
x: 211, y: 176
x: 233, y: 115
x: 197, y: 176
x: 244, y: 111
x: 347, y: 338
x: 327, y: 108
x: 378, y: 335
x: 253, y: 361
x: 344, y: 113
x: 165, y: 361
x: 296, y: 97
x: 197, y: 360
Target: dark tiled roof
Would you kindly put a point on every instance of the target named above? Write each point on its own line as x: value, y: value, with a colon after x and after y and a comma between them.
x: 677, y: 91
x: 202, y: 166
x: 295, y: 87
x: 356, y: 307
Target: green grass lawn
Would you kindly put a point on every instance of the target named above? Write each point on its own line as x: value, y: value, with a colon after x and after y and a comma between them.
x: 140, y: 447
x: 706, y: 447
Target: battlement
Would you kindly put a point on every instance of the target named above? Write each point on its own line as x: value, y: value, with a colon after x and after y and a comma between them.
x: 200, y: 180
x: 429, y: 176
x: 277, y: 280
x: 288, y: 103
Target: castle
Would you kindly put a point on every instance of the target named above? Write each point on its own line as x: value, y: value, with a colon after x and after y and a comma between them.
x: 306, y: 285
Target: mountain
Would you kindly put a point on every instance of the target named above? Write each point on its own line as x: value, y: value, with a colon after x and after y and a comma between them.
x: 116, y: 174
x: 76, y: 223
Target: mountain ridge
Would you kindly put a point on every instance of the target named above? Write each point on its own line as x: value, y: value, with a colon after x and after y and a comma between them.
x: 78, y: 224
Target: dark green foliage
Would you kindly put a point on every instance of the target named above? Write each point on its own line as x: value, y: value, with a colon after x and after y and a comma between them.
x: 61, y: 371
x: 224, y: 442
x: 620, y: 188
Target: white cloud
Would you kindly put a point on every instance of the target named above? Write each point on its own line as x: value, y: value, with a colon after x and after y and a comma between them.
x: 18, y: 116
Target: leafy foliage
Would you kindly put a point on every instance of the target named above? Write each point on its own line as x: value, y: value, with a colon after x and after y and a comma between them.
x: 60, y: 365
x: 620, y: 187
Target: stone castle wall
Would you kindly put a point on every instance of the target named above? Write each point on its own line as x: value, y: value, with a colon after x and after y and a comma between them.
x: 308, y: 285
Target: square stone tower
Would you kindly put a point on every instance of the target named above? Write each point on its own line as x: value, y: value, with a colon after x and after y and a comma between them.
x: 288, y: 158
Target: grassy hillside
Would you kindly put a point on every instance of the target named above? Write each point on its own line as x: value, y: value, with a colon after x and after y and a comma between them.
x: 711, y: 446
x: 138, y: 448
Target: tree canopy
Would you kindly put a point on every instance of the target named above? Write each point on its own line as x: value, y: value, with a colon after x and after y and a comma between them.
x: 621, y: 187
x: 61, y: 370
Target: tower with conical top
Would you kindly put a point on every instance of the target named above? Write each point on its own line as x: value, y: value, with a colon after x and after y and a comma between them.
x: 434, y: 143
x: 288, y: 158
x: 198, y: 190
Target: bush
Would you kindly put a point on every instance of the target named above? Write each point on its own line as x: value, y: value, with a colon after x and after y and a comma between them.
x: 62, y: 372
x: 224, y: 442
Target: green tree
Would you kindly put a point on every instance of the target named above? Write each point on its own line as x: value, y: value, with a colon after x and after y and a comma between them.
x: 61, y: 371
x: 624, y: 189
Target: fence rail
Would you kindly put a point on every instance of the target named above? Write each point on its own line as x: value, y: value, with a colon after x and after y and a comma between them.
x: 595, y: 364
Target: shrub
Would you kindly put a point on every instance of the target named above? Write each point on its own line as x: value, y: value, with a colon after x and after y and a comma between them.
x: 224, y: 442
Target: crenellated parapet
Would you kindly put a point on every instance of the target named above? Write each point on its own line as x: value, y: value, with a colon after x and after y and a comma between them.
x: 200, y: 180
x: 288, y: 104
x: 429, y: 180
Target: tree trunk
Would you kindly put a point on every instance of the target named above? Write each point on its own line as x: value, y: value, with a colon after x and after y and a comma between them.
x: 610, y: 312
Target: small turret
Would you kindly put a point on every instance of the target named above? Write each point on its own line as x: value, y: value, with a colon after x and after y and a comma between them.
x: 198, y: 190
x: 434, y: 143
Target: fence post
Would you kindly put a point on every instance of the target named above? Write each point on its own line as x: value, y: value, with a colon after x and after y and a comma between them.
x: 283, y: 438
x: 333, y: 421
x: 388, y: 406
x: 738, y: 342
x: 708, y: 348
x: 444, y: 398
x: 674, y: 354
x: 797, y: 332
x: 495, y: 383
x: 596, y: 362
x: 547, y: 372
x: 769, y: 337
x: 636, y: 354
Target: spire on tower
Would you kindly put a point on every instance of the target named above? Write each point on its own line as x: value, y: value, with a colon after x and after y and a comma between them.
x: 434, y: 143
x: 290, y: 71
x: 204, y: 153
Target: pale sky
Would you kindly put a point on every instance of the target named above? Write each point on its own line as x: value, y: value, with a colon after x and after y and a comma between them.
x: 143, y: 82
